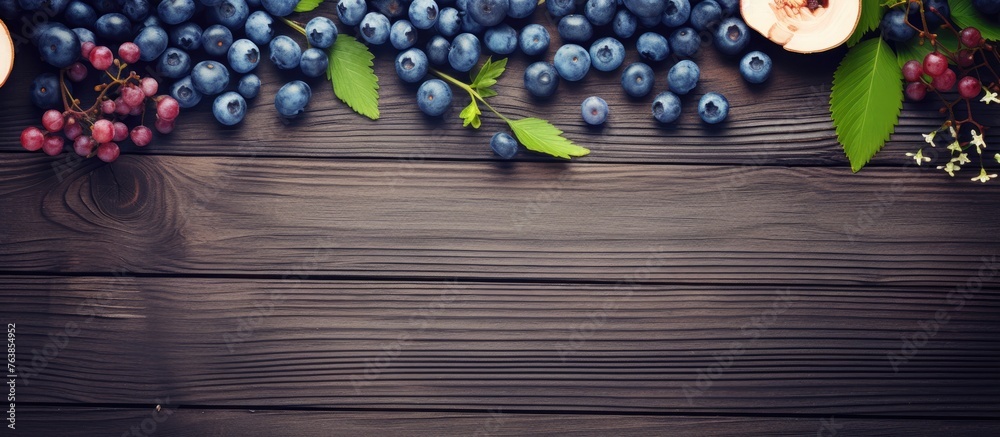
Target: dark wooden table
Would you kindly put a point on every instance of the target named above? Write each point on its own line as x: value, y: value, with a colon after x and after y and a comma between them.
x: 338, y: 276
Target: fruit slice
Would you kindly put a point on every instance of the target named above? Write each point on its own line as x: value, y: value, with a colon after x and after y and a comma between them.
x: 6, y: 53
x: 803, y: 26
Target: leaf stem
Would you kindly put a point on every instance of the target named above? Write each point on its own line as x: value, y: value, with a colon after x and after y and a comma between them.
x: 295, y: 25
x: 472, y: 92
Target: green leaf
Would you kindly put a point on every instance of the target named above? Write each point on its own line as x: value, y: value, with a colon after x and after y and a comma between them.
x: 541, y: 136
x: 865, y: 99
x: 470, y: 115
x: 307, y: 5
x: 489, y: 73
x: 912, y: 49
x: 354, y: 81
x: 486, y: 93
x: 964, y: 13
x: 871, y: 16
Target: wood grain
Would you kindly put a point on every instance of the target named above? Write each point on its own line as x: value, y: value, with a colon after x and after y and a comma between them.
x: 765, y: 225
x: 181, y: 422
x: 456, y: 346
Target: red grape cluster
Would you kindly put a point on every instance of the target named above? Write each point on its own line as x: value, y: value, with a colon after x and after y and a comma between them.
x: 941, y: 77
x: 99, y: 129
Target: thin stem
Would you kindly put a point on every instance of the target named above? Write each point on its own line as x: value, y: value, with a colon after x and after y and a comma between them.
x: 475, y: 95
x: 295, y: 25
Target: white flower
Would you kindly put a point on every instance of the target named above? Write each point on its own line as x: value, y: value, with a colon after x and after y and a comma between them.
x: 951, y: 130
x: 983, y: 177
x: 962, y: 158
x: 919, y: 156
x: 955, y: 147
x: 997, y: 156
x: 929, y: 138
x: 989, y: 98
x: 950, y: 168
x: 977, y: 140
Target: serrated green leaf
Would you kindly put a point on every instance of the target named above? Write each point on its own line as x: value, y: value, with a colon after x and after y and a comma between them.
x: 470, y: 115
x: 354, y: 81
x: 541, y: 136
x: 486, y: 93
x: 865, y: 99
x: 964, y: 13
x: 489, y: 73
x: 912, y: 49
x: 871, y: 15
x: 307, y: 5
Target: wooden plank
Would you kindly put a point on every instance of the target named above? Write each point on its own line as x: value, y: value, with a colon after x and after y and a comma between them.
x: 187, y: 215
x: 905, y: 352
x: 785, y: 122
x: 181, y: 422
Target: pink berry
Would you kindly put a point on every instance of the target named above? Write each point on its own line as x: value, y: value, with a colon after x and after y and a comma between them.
x: 52, y: 145
x: 101, y: 58
x: 85, y: 48
x: 167, y: 108
x: 935, y: 64
x: 912, y: 71
x: 136, y: 110
x: 108, y: 152
x: 968, y: 87
x: 121, y: 131
x: 52, y: 120
x: 971, y: 37
x: 149, y: 86
x: 141, y: 135
x: 916, y: 91
x: 164, y: 126
x: 32, y: 138
x: 122, y: 108
x: 132, y: 95
x: 73, y: 129
x: 944, y: 82
x: 964, y: 58
x: 103, y: 131
x: 84, y: 145
x: 129, y: 52
x: 76, y: 72
x: 108, y: 107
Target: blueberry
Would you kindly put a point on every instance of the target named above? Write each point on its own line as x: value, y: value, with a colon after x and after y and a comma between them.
x: 285, y: 52
x: 933, y: 19
x: 541, y: 79
x: 575, y: 28
x: 211, y: 3
x: 600, y: 12
x: 434, y: 97
x: 685, y: 42
x: 402, y: 35
x: 279, y: 8
x: 755, y: 67
x: 624, y: 24
x: 175, y: 11
x: 572, y: 62
x: 594, y: 110
x: 560, y: 8
x: 186, y: 36
x: 136, y: 10
x: 449, y: 22
x: 259, y: 27
x: 151, y: 20
x: 411, y: 65
x: 521, y: 8
x: 392, y: 9
x: 229, y: 108
x: 243, y: 55
x: 534, y: 39
x: 437, y: 50
x: 645, y: 8
x: 45, y: 91
x: 503, y: 145
x: 894, y: 27
x: 216, y: 40
x: 713, y: 108
x: 183, y: 91
x: 58, y: 46
x: 987, y: 7
x: 464, y: 53
x: 676, y: 12
x: 732, y: 36
x: 637, y: 79
x: 104, y: 6
x: 350, y: 12
x: 730, y: 8
x: 80, y: 14
x: 470, y: 25
x: 423, y: 13
x: 666, y: 107
x: 210, y: 77
x: 232, y: 13
x: 501, y: 39
x: 705, y: 14
x: 152, y: 41
x: 314, y: 62
x: 174, y: 63
x: 488, y: 12
x: 375, y: 28
x: 249, y: 86
x: 321, y: 32
x: 607, y: 54
x: 292, y: 98
x: 85, y: 35
x: 649, y: 22
x: 114, y: 26
x: 653, y: 46
x: 683, y: 76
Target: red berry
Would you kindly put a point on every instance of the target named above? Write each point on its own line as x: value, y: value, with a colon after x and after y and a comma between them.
x: 121, y: 108
x: 944, y: 82
x: 971, y: 37
x: 167, y: 108
x: 968, y: 87
x: 935, y: 64
x: 149, y: 86
x: 84, y: 145
x: 912, y: 71
x: 129, y: 52
x: 76, y: 72
x: 85, y: 48
x: 101, y: 58
x: 121, y: 131
x: 132, y: 95
x: 108, y: 152
x: 964, y: 58
x: 136, y: 110
x: 103, y: 131
x: 141, y: 135
x: 32, y: 138
x: 52, y: 145
x: 52, y: 120
x: 164, y: 126
x: 916, y: 91
x: 73, y: 129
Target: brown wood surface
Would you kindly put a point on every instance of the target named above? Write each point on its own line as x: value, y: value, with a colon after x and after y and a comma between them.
x: 338, y: 276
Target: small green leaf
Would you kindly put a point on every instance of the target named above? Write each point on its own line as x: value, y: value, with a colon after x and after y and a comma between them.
x: 964, y: 13
x: 912, y: 49
x: 307, y: 5
x: 470, y: 115
x: 541, y: 136
x: 354, y: 81
x: 871, y: 16
x: 489, y: 73
x: 865, y: 99
x: 486, y: 93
